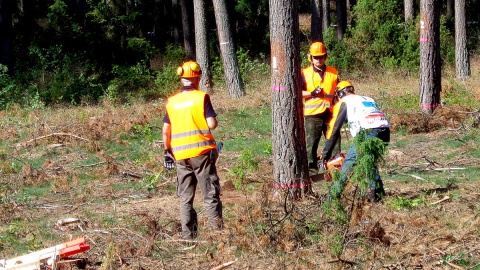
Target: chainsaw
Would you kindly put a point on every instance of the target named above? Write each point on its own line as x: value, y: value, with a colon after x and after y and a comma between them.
x: 335, y: 163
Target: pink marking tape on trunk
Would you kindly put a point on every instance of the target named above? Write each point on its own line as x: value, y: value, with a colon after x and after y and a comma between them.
x: 279, y: 185
x: 278, y: 88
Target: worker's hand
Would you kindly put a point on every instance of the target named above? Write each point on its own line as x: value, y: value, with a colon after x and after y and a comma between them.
x: 322, y: 165
x: 169, y: 160
x: 317, y: 92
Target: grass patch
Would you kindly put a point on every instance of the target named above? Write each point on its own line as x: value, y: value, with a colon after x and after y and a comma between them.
x: 259, y: 230
x: 31, y: 194
x: 248, y: 128
x: 402, y: 203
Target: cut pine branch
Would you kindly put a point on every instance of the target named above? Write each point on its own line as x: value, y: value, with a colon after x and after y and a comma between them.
x: 59, y: 134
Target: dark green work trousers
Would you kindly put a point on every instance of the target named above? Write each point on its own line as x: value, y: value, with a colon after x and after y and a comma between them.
x: 202, y: 171
x: 315, y: 126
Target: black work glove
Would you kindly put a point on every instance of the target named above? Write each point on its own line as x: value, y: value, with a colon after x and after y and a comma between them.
x: 317, y: 92
x: 169, y: 160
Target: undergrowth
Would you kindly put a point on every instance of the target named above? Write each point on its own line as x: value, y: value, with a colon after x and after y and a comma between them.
x: 103, y: 166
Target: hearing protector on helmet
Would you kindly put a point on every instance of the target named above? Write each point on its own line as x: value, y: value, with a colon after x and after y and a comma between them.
x: 189, y: 69
x: 343, y: 88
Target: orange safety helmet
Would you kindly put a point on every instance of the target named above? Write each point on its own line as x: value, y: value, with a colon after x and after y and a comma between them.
x: 343, y: 88
x: 189, y: 69
x: 317, y: 48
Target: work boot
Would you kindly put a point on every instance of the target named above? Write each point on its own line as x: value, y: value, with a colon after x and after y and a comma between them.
x: 187, y: 236
x: 376, y: 194
x: 217, y: 224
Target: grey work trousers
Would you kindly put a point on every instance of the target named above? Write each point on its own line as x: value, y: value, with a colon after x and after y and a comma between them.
x: 199, y: 170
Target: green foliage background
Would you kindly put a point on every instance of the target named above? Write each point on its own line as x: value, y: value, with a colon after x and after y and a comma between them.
x: 65, y: 56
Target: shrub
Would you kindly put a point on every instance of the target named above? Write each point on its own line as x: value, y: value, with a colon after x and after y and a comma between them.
x: 380, y: 39
x: 167, y: 80
x: 8, y: 88
x: 252, y: 70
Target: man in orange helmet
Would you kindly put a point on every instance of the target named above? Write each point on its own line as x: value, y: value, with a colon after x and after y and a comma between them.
x: 190, y: 145
x: 318, y: 90
x: 362, y: 115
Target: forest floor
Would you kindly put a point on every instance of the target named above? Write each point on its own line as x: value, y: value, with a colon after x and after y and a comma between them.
x: 127, y: 208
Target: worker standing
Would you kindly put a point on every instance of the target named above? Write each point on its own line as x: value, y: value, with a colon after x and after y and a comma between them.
x: 318, y: 90
x: 363, y: 115
x: 190, y: 145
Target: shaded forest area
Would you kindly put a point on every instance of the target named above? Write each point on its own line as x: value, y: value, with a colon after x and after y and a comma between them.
x: 82, y: 51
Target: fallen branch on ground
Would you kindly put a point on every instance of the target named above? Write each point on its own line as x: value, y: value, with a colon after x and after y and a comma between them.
x: 342, y: 261
x: 444, y: 169
x: 132, y: 174
x: 412, y: 175
x: 442, y: 200
x: 51, y: 135
x: 90, y: 165
x: 222, y: 266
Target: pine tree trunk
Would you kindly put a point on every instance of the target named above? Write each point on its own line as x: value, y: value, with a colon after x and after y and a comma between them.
x: 188, y: 33
x: 430, y: 62
x: 409, y: 9
x: 325, y: 15
x: 450, y: 9
x: 462, y: 60
x: 176, y: 24
x: 201, y: 42
x: 316, y: 21
x: 341, y: 18
x: 233, y: 79
x: 288, y: 132
x: 159, y: 24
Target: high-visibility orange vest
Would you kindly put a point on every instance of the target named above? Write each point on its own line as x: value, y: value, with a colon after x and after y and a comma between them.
x: 317, y: 105
x: 333, y: 121
x: 191, y: 136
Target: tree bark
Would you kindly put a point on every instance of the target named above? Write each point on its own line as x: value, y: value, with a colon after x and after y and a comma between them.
x: 430, y: 62
x: 341, y: 18
x: 325, y: 15
x: 159, y: 24
x: 201, y: 42
x: 316, y: 20
x: 409, y: 8
x: 288, y: 132
x: 462, y: 61
x: 188, y: 35
x: 176, y: 24
x: 450, y: 9
x: 233, y: 79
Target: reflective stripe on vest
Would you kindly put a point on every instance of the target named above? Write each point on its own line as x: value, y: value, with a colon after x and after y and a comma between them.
x: 193, y: 145
x: 190, y: 135
x: 317, y: 105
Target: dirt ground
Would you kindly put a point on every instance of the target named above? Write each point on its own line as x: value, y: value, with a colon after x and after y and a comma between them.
x: 442, y: 234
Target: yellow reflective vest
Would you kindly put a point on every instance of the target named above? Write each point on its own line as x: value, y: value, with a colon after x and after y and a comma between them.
x: 317, y: 105
x: 190, y: 136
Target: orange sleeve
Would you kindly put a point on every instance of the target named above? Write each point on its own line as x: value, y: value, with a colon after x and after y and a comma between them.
x: 334, y: 126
